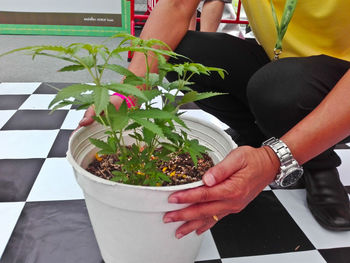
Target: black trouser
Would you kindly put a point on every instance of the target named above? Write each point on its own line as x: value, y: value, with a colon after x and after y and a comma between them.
x: 264, y: 98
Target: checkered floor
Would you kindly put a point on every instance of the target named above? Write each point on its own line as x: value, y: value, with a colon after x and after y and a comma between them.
x: 43, y: 217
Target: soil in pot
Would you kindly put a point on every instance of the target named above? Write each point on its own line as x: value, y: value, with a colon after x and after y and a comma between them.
x: 180, y: 168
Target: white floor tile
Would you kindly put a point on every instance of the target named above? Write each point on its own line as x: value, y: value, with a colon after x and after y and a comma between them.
x: 40, y: 102
x: 5, y: 115
x: 344, y: 168
x: 9, y: 214
x: 295, y: 203
x: 208, y: 249
x: 55, y: 181
x: 72, y: 119
x: 26, y: 144
x: 300, y: 257
x: 18, y: 88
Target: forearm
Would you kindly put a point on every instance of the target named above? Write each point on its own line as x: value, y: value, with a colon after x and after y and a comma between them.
x: 325, y: 126
x: 168, y: 22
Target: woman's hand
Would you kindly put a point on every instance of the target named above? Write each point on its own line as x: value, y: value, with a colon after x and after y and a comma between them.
x: 229, y: 187
x: 90, y: 112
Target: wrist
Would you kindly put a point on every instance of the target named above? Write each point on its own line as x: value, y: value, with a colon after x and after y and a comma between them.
x: 289, y: 171
x: 274, y: 161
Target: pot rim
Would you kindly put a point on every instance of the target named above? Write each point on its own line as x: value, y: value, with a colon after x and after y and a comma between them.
x: 97, y: 179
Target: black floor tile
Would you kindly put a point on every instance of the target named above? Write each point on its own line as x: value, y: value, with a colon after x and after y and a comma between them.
x: 17, y: 178
x: 60, y: 146
x: 336, y: 255
x: 12, y: 102
x: 53, y: 232
x: 35, y: 120
x: 263, y: 227
x: 47, y: 88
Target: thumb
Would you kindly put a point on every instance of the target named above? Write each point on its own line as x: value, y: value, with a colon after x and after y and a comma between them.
x: 224, y: 169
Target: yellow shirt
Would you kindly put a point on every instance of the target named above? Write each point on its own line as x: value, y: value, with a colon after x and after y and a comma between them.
x: 317, y: 27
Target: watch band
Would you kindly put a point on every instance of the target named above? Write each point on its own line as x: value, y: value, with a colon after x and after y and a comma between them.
x: 285, y: 156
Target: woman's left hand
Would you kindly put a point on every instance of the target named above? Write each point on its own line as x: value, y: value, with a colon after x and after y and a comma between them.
x: 229, y: 187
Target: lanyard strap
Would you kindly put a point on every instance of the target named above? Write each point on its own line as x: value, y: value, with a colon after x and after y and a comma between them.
x: 281, y: 29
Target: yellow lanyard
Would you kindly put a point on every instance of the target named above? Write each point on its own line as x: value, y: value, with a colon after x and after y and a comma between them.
x: 288, y: 12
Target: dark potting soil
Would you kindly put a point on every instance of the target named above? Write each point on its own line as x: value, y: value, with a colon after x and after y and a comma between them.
x: 180, y: 169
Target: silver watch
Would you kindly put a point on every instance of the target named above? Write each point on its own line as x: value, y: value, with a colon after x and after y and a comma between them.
x: 290, y: 171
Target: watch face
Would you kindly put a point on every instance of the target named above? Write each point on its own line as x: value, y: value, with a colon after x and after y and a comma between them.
x: 292, y: 177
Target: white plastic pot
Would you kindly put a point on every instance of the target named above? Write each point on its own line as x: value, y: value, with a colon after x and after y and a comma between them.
x: 127, y: 219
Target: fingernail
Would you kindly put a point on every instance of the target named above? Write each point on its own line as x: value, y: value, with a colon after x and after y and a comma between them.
x: 83, y: 120
x: 209, y: 179
x: 167, y: 220
x: 173, y: 200
x: 179, y: 235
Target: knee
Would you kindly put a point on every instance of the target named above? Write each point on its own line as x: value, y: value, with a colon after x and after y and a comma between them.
x: 275, y: 92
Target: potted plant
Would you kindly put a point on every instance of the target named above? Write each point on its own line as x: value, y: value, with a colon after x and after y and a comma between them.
x: 126, y: 210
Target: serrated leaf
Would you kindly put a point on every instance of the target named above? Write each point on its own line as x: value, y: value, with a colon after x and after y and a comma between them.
x: 164, y: 177
x: 102, y: 145
x: 132, y: 126
x: 149, y: 125
x: 134, y: 80
x: 61, y: 105
x: 101, y: 99
x: 152, y: 113
x: 148, y: 136
x: 153, y: 79
x: 151, y: 94
x: 119, y: 118
x: 194, y: 96
x: 71, y: 68
x: 126, y: 90
x: 120, y: 69
x: 73, y: 91
x: 88, y: 61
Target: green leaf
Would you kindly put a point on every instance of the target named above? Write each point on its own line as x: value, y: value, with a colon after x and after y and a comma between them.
x: 73, y: 91
x: 149, y: 125
x: 71, y: 68
x: 151, y: 94
x: 120, y: 69
x: 89, y: 61
x: 126, y: 90
x: 119, y: 118
x: 102, y: 145
x: 148, y: 136
x: 152, y: 114
x: 134, y: 80
x: 194, y: 96
x: 153, y: 79
x: 132, y: 126
x: 101, y: 99
x: 61, y: 105
x: 120, y: 177
x: 164, y: 177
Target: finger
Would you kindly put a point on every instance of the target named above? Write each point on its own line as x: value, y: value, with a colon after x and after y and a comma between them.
x: 87, y: 119
x: 199, y: 226
x: 232, y: 163
x: 199, y: 211
x: 189, y: 227
x: 212, y: 223
x: 226, y: 190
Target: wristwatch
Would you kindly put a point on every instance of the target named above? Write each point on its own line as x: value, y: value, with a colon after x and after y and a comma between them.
x: 290, y: 171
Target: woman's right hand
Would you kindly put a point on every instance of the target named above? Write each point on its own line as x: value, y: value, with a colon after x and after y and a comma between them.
x: 90, y: 112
